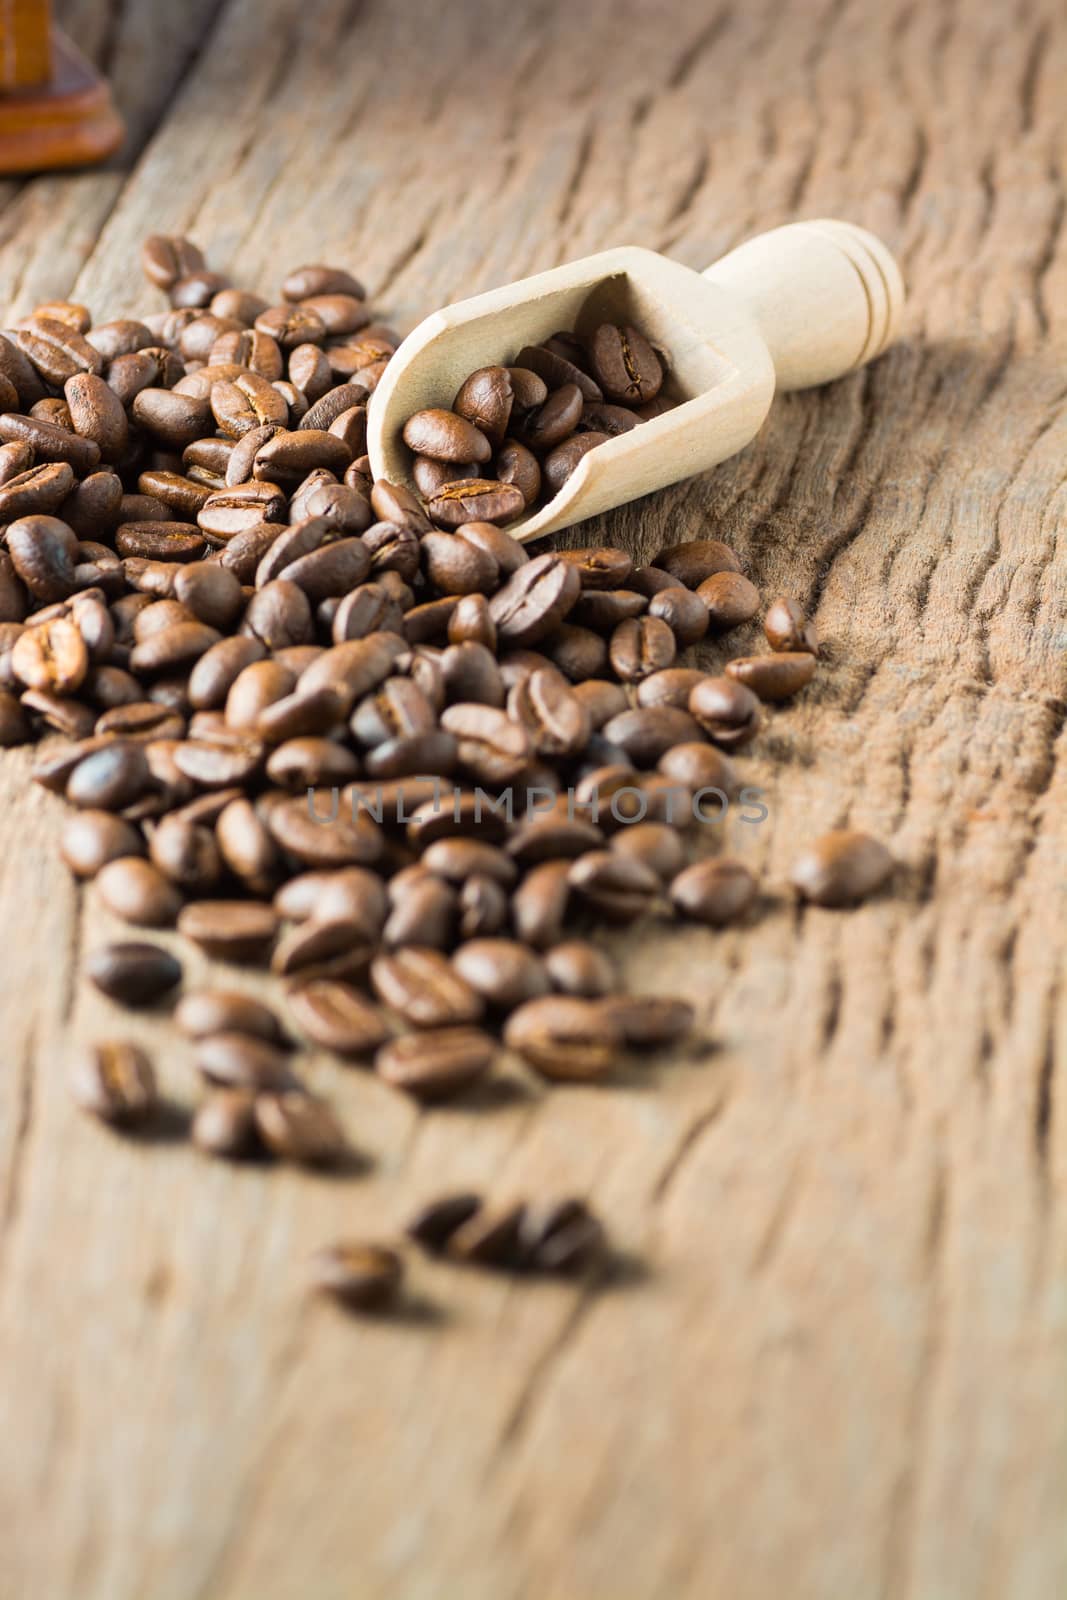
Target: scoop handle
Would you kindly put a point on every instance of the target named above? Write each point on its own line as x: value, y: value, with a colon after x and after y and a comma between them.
x: 826, y: 297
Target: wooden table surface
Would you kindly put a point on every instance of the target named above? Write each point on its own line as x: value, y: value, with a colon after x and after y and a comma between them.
x: 834, y: 1367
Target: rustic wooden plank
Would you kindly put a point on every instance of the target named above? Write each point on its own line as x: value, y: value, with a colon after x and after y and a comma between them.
x: 835, y: 1368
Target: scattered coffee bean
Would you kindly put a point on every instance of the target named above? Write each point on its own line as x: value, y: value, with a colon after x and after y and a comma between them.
x: 296, y: 1127
x: 716, y: 891
x: 566, y: 1039
x: 133, y: 974
x: 364, y: 1277
x: 436, y: 1064
x: 114, y: 1081
x: 842, y: 868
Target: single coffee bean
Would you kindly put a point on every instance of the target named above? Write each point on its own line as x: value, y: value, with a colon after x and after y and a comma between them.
x: 242, y: 1061
x: 716, y: 891
x: 225, y: 1124
x: 97, y: 413
x: 90, y: 839
x: 436, y: 1064
x: 314, y: 947
x: 133, y: 974
x: 518, y: 467
x: 700, y: 766
x: 842, y: 868
x: 624, y: 364
x: 579, y: 968
x: 229, y: 930
x: 604, y: 610
x: 287, y: 458
x: 640, y: 647
x: 49, y: 442
x: 291, y: 325
x: 691, y: 562
x: 307, y: 282
x: 485, y: 400
x: 730, y: 598
x: 567, y: 1040
x: 186, y: 853
x: 218, y: 669
x: 684, y: 612
x: 492, y: 1238
x: 444, y: 436
x: 205, y: 1012
x: 727, y: 711
x: 564, y: 460
x: 535, y: 600
x: 138, y: 892
x: 607, y: 419
x: 166, y: 259
x: 556, y: 371
x: 460, y: 859
x: 57, y: 350
x: 670, y: 688
x: 35, y: 490
x: 174, y: 419
x: 503, y: 971
x: 565, y: 1238
x: 603, y: 700
x: 787, y: 628
x: 476, y: 500
x: 645, y: 733
x: 114, y: 1081
x: 618, y: 886
x: 337, y: 1017
x: 303, y: 826
x: 296, y: 1127
x: 161, y: 541
x: 456, y: 566
x: 654, y: 844
x: 773, y: 677
x: 422, y: 986
x: 472, y: 622
x: 109, y: 779
x: 542, y: 430
x: 433, y: 1226
x: 553, y: 717
x: 364, y: 1277
x: 43, y: 551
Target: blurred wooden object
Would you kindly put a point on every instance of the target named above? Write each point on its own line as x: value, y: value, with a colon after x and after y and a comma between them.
x: 55, y: 109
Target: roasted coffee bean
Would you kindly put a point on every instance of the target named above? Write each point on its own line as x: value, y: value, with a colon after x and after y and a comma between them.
x: 20, y: 372
x: 438, y: 1063
x: 338, y: 1017
x: 456, y: 566
x: 364, y: 1277
x: 35, y: 490
x: 97, y: 414
x: 602, y: 700
x: 354, y: 668
x: 296, y: 1127
x: 604, y: 610
x: 787, y: 628
x: 547, y: 837
x: 539, y: 905
x: 242, y: 1061
x: 482, y: 908
x: 579, y: 968
x: 335, y: 403
x: 492, y: 747
x: 444, y: 436
x: 291, y: 325
x: 561, y: 462
x: 304, y: 826
x: 535, y: 600
x: 695, y: 560
x: 310, y: 371
x: 601, y: 567
x: 161, y: 541
x: 50, y: 656
x: 671, y: 687
x: 110, y: 779
x: 556, y: 420
x: 218, y: 669
x: 43, y: 551
x: 730, y: 598
x: 564, y: 1238
x: 503, y: 971
x: 250, y: 401
x: 337, y: 946
x: 133, y: 974
x: 518, y: 467
x: 699, y: 767
x: 654, y: 844
x: 476, y: 499
x: 186, y: 854
x: 114, y: 1081
x: 50, y: 443
x: 57, y: 350
x: 485, y: 400
x: 555, y: 720
x: 91, y: 839
x: 684, y: 612
x: 556, y: 371
x: 289, y: 457
x: 618, y: 886
x: 421, y: 985
x: 842, y: 868
x: 225, y: 1123
x: 491, y: 1238
x: 624, y: 364
x: 230, y: 930
x: 607, y: 419
x: 727, y: 711
x: 640, y: 647
x: 773, y: 677
x: 566, y: 1039
x: 94, y: 506
x: 307, y: 282
x: 165, y: 259
x: 716, y: 891
x: 206, y: 1012
x: 645, y: 733
x: 433, y: 1226
x: 138, y: 892
x: 279, y: 615
x: 175, y: 419
x: 472, y: 622
x: 348, y: 892
x: 649, y: 1022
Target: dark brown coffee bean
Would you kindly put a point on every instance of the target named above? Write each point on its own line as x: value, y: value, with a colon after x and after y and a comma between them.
x: 542, y: 430
x: 316, y: 280
x: 437, y: 1064
x: 341, y: 314
x: 842, y: 868
x: 654, y: 844
x: 457, y: 860
x: 175, y: 419
x: 50, y: 443
x: 698, y: 767
x: 138, y: 892
x: 602, y: 700
x: 333, y: 404
x: 773, y: 677
x: 36, y: 490
x: 186, y: 854
x: 310, y: 371
x: 110, y: 779
x: 433, y: 1226
x: 338, y: 1018
x: 565, y: 1238
x: 684, y: 612
x: 206, y: 1012
x: 625, y: 364
x: 114, y: 1081
x: 43, y: 551
x: 565, y: 1039
x: 230, y: 930
x: 563, y: 461
x: 289, y: 457
x: 196, y: 291
x: 291, y: 325
x: 503, y: 971
x: 617, y: 886
x: 669, y: 688
x: 93, y: 838
x: 51, y: 656
x: 640, y: 647
x: 363, y: 1277
x: 279, y: 615
x: 94, y: 506
x: 649, y: 1022
x: 535, y: 600
x: 161, y: 541
x: 717, y: 891
x: 218, y: 669
x: 554, y: 718
x: 787, y: 628
x: 485, y: 400
x: 335, y: 946
x: 421, y: 985
x: 296, y: 1127
x: 165, y: 259
x: 730, y: 598
x: 476, y: 500
x: 454, y: 565
x: 444, y: 436
x: 349, y: 892
x: 579, y: 968
x: 242, y: 1061
x: 249, y: 402
x: 133, y: 974
x: 472, y: 622
x: 225, y: 1124
x: 20, y: 372
x: 539, y: 905
x: 556, y: 371
x: 518, y: 467
x: 727, y: 711
x: 492, y: 747
x: 491, y: 1238
x: 354, y: 668
x: 695, y: 560
x: 548, y: 837
x: 607, y: 419
x: 645, y: 733
x: 219, y: 760
x: 57, y: 350
x: 97, y: 414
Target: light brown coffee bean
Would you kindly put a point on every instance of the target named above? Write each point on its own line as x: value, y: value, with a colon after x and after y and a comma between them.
x: 242, y: 1061
x: 90, y: 839
x: 730, y: 598
x: 565, y: 1039
x: 225, y: 1124
x: 774, y: 677
x: 422, y: 986
x: 842, y: 868
x: 297, y: 1127
x: 444, y: 436
x: 114, y: 1080
x: 337, y: 1017
x: 230, y: 930
x: 716, y: 891
x: 579, y: 968
x: 476, y: 500
x: 694, y: 560
x: 138, y: 892
x: 503, y: 971
x: 649, y: 1022
x: 205, y: 1012
x: 727, y: 711
x: 787, y: 628
x: 436, y: 1064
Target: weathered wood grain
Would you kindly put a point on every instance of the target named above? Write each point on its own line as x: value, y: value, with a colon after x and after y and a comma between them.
x: 836, y: 1366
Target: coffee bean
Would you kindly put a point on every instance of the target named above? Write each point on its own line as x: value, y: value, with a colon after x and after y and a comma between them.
x: 97, y: 414
x: 133, y: 974
x: 138, y: 892
x: 43, y: 551
x: 364, y: 1277
x: 565, y: 1238
x: 444, y: 436
x: 542, y: 430
x: 207, y: 1012
x: 564, y: 460
x: 640, y: 647
x: 110, y: 779
x: 296, y: 1127
x: 624, y: 364
x: 730, y: 598
x: 553, y: 717
x: 242, y: 1061
x: 503, y: 971
x: 691, y: 562
x: 291, y: 325
x: 556, y: 371
x: 717, y: 891
x: 645, y: 733
x: 166, y: 259
x: 436, y: 1064
x: 579, y: 968
x: 114, y: 1081
x: 842, y: 868
x: 491, y: 1238
x: 35, y: 490
x: 618, y: 886
x: 648, y: 1022
x: 476, y: 500
x: 727, y: 711
x: 787, y: 628
x: 303, y: 826
x: 774, y: 677
x: 336, y: 946
x: 535, y: 600
x: 700, y: 766
x: 186, y: 854
x: 229, y: 930
x: 567, y: 1040
x: 57, y: 350
x: 422, y: 986
x: 492, y: 747
x: 654, y: 845
x: 161, y: 541
x: 91, y: 839
x: 306, y: 282
x: 347, y: 892
x: 225, y: 1124
x: 338, y: 1018
x: 433, y: 1226
x: 684, y: 612
x: 518, y: 467
x: 472, y: 622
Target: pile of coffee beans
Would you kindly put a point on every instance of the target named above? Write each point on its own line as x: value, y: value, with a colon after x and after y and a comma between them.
x: 375, y: 745
x: 515, y: 434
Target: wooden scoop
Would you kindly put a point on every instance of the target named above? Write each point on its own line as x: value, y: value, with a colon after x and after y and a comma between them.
x: 789, y: 309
